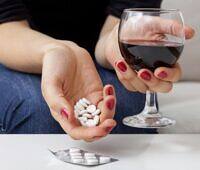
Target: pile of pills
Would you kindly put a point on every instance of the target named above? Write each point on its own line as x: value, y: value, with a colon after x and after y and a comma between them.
x: 87, y: 113
x: 81, y: 157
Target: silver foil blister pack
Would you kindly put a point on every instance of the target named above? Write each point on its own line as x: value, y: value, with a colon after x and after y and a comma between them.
x: 82, y: 157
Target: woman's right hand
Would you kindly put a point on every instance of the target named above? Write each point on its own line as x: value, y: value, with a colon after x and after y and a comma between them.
x: 148, y: 28
x: 69, y: 74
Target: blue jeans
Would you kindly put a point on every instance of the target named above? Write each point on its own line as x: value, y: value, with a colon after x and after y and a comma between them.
x: 23, y: 110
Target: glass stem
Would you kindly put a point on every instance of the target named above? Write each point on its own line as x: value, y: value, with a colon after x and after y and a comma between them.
x: 150, y: 105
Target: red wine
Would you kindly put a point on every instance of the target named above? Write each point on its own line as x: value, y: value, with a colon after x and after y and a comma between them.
x: 150, y: 54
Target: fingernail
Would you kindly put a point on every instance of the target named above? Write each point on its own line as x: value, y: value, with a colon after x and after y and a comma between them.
x: 110, y: 104
x: 122, y: 66
x: 162, y: 74
x: 109, y: 129
x: 109, y: 91
x: 64, y: 113
x: 146, y: 76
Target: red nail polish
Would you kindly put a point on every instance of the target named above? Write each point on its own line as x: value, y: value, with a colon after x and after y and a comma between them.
x: 162, y: 74
x: 122, y: 66
x: 145, y: 75
x: 109, y: 91
x: 64, y: 113
x: 110, y: 104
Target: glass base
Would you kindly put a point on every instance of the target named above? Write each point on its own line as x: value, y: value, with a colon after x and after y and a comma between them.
x: 153, y: 121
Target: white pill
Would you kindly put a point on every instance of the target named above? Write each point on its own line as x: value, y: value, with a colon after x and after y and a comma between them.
x: 77, y: 161
x: 82, y: 119
x: 89, y: 116
x: 104, y: 159
x: 83, y: 123
x: 96, y: 119
x: 76, y: 157
x: 88, y: 154
x: 62, y: 154
x: 91, y: 108
x: 97, y: 112
x: 92, y: 161
x: 86, y: 101
x: 83, y: 103
x: 90, y: 157
x: 79, y: 106
x: 90, y: 123
x: 75, y: 154
x: 74, y: 150
x: 83, y: 112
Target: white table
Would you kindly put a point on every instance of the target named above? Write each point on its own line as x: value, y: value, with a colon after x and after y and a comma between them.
x: 135, y: 152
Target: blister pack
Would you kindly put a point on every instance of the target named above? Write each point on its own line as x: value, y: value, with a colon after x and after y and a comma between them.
x: 82, y: 157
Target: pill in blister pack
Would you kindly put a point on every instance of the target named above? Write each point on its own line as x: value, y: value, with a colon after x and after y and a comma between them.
x: 82, y: 157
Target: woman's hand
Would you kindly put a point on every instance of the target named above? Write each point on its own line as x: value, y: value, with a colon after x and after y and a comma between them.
x: 69, y: 74
x: 162, y: 79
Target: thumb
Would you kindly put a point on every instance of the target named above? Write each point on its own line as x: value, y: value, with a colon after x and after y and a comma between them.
x: 189, y: 32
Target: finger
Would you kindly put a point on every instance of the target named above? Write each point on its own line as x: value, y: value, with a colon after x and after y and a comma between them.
x: 189, y: 32
x: 130, y: 76
x: 153, y: 83
x: 88, y: 133
x: 108, y: 104
x: 175, y: 28
x: 169, y: 74
x: 108, y: 126
x: 109, y: 90
x: 61, y: 109
x: 125, y: 83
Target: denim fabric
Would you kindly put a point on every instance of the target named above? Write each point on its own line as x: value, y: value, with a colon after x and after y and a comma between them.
x: 24, y: 111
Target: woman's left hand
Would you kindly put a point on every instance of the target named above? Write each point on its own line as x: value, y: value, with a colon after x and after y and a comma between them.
x: 68, y: 75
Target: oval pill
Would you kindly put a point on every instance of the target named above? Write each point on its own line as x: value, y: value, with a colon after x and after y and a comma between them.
x: 86, y: 101
x: 91, y: 108
x: 77, y: 161
x: 90, y: 123
x: 97, y: 112
x: 83, y: 112
x: 75, y: 154
x: 88, y: 154
x: 79, y: 106
x: 76, y: 157
x: 84, y: 119
x: 92, y: 161
x: 104, y: 159
x: 96, y: 119
x: 73, y: 150
x: 83, y: 103
x: 89, y: 116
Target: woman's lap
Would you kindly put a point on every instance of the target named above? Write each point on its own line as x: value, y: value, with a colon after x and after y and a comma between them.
x: 23, y: 109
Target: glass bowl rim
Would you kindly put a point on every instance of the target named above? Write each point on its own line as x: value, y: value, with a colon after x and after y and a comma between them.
x: 150, y: 10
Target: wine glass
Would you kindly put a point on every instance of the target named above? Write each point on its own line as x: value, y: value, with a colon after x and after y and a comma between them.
x: 151, y: 38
